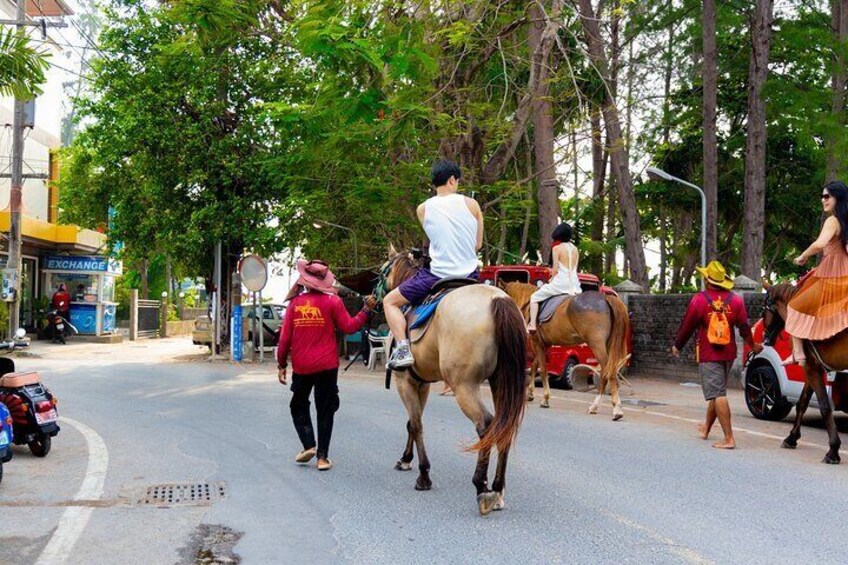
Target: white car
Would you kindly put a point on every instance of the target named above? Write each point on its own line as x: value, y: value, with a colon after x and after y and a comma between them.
x: 771, y: 390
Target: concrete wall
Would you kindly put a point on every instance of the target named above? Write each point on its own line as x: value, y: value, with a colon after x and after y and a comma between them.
x: 656, y: 319
x: 180, y: 328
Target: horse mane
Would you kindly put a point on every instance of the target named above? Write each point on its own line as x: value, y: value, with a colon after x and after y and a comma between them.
x: 520, y: 292
x: 783, y: 292
x: 402, y: 268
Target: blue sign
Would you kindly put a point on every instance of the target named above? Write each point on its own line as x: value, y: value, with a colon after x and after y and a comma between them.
x: 83, y: 264
x: 237, y: 337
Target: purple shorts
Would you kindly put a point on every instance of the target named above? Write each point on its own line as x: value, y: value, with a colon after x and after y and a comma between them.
x: 416, y: 288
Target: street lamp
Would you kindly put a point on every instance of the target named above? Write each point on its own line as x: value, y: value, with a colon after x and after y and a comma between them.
x: 659, y: 174
x: 318, y: 224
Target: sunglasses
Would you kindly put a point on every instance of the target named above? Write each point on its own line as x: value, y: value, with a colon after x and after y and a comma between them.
x: 826, y: 196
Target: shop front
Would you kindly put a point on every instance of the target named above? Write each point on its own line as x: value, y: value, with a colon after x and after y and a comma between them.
x: 90, y: 280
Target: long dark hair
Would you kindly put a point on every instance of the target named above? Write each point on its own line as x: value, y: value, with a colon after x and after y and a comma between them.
x: 839, y: 191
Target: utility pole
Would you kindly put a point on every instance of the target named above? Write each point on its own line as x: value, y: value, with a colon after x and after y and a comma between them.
x: 14, y: 257
x: 13, y: 265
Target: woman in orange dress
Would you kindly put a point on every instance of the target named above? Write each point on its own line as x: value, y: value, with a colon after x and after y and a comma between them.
x: 819, y: 310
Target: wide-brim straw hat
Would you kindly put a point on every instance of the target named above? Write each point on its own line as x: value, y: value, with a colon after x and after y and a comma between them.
x: 715, y: 274
x: 316, y: 275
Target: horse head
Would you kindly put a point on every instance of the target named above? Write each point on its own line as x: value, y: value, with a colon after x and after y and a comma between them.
x: 399, y: 267
x: 774, y: 309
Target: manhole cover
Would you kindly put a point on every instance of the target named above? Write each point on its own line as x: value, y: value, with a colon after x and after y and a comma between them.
x: 187, y: 494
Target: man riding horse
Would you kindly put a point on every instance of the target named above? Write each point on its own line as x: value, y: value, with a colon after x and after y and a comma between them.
x: 454, y: 226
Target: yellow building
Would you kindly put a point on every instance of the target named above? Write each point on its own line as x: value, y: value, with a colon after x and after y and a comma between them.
x: 43, y: 237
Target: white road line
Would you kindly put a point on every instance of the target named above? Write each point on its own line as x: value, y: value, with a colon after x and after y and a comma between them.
x: 685, y: 553
x: 74, y: 518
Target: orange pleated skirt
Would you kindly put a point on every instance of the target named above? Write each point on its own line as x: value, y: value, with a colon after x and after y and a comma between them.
x: 819, y: 310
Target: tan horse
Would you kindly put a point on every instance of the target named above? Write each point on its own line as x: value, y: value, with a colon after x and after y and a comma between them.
x: 599, y: 320
x: 832, y: 352
x: 476, y: 334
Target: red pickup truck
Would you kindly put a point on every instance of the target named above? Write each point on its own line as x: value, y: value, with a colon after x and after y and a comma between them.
x: 561, y: 358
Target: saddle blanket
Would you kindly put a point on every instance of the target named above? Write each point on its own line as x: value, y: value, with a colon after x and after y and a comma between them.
x: 549, y: 307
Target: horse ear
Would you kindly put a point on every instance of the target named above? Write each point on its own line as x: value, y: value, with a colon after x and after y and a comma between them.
x: 392, y: 251
x: 766, y: 284
x: 501, y: 284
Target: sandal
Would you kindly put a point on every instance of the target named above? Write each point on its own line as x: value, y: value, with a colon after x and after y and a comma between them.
x: 324, y: 464
x: 305, y: 456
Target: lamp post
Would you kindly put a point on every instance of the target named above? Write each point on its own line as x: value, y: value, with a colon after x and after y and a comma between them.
x: 318, y: 224
x: 658, y: 174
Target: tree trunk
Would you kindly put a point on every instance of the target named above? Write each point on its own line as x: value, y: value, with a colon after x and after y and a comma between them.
x: 755, y: 143
x: 839, y: 23
x: 599, y: 171
x: 618, y: 152
x: 710, y: 78
x: 663, y: 250
x: 547, y: 190
x: 143, y: 284
x: 575, y: 171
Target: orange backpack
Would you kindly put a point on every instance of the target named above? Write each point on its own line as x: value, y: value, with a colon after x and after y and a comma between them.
x: 718, y: 328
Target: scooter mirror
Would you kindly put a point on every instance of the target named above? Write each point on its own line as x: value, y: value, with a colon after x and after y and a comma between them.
x: 20, y: 333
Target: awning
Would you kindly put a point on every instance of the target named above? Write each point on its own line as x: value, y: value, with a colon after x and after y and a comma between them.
x: 55, y: 236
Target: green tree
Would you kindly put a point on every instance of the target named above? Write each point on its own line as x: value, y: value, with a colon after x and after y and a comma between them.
x: 22, y: 66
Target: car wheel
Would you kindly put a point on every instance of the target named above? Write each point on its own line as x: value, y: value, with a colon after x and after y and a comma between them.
x: 564, y: 379
x: 763, y: 396
x: 40, y: 447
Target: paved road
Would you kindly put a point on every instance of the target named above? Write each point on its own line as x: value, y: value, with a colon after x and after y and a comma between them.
x: 580, y: 488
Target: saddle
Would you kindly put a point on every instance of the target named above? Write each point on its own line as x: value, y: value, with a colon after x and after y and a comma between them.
x: 549, y: 307
x: 419, y: 316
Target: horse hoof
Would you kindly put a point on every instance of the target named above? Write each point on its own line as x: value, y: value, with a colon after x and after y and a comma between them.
x: 530, y: 399
x: 403, y: 466
x: 486, y: 502
x: 617, y: 417
x: 501, y: 503
x: 545, y: 404
x: 831, y: 460
x: 593, y: 409
x: 423, y: 485
x: 788, y: 444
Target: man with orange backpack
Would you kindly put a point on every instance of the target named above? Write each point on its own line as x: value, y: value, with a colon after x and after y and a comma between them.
x: 714, y: 313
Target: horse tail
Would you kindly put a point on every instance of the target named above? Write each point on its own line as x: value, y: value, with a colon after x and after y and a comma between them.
x: 617, y: 340
x: 507, y: 381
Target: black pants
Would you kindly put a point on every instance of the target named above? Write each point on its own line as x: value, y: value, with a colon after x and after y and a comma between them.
x: 326, y: 403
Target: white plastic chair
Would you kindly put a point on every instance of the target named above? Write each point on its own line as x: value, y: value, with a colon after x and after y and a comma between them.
x: 379, y: 345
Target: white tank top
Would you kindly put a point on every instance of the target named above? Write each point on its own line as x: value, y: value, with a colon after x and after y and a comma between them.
x: 452, y: 230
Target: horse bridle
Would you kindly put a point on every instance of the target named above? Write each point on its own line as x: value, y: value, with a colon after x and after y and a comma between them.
x: 771, y: 333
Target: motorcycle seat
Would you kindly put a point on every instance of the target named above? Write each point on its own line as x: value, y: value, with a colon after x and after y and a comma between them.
x: 17, y: 380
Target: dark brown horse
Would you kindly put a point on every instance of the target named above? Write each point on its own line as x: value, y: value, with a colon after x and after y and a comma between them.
x: 476, y: 334
x: 599, y: 320
x: 821, y: 355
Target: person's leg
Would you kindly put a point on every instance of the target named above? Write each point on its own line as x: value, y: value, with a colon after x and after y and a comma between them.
x: 301, y: 387
x: 798, y: 356
x: 534, y: 314
x: 722, y: 409
x: 411, y: 291
x: 326, y: 403
x: 392, y: 304
x: 705, y: 428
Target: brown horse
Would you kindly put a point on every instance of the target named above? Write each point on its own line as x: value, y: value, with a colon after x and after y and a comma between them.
x: 476, y: 334
x: 594, y: 318
x: 821, y: 355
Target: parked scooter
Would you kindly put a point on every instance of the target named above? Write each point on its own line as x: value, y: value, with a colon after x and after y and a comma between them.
x: 58, y: 327
x: 7, y: 435
x: 30, y: 403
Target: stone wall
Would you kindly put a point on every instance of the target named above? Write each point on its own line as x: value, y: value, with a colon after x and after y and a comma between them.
x: 655, y: 320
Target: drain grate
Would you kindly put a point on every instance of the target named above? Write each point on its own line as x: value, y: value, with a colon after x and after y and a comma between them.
x: 185, y: 494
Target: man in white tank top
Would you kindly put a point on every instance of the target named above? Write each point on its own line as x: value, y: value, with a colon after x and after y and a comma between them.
x: 454, y: 225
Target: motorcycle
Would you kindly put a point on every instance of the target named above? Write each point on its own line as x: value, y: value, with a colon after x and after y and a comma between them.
x: 31, y: 404
x: 7, y: 436
x: 58, y: 327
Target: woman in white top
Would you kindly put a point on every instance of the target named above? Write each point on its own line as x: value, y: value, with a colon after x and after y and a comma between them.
x: 564, y: 275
